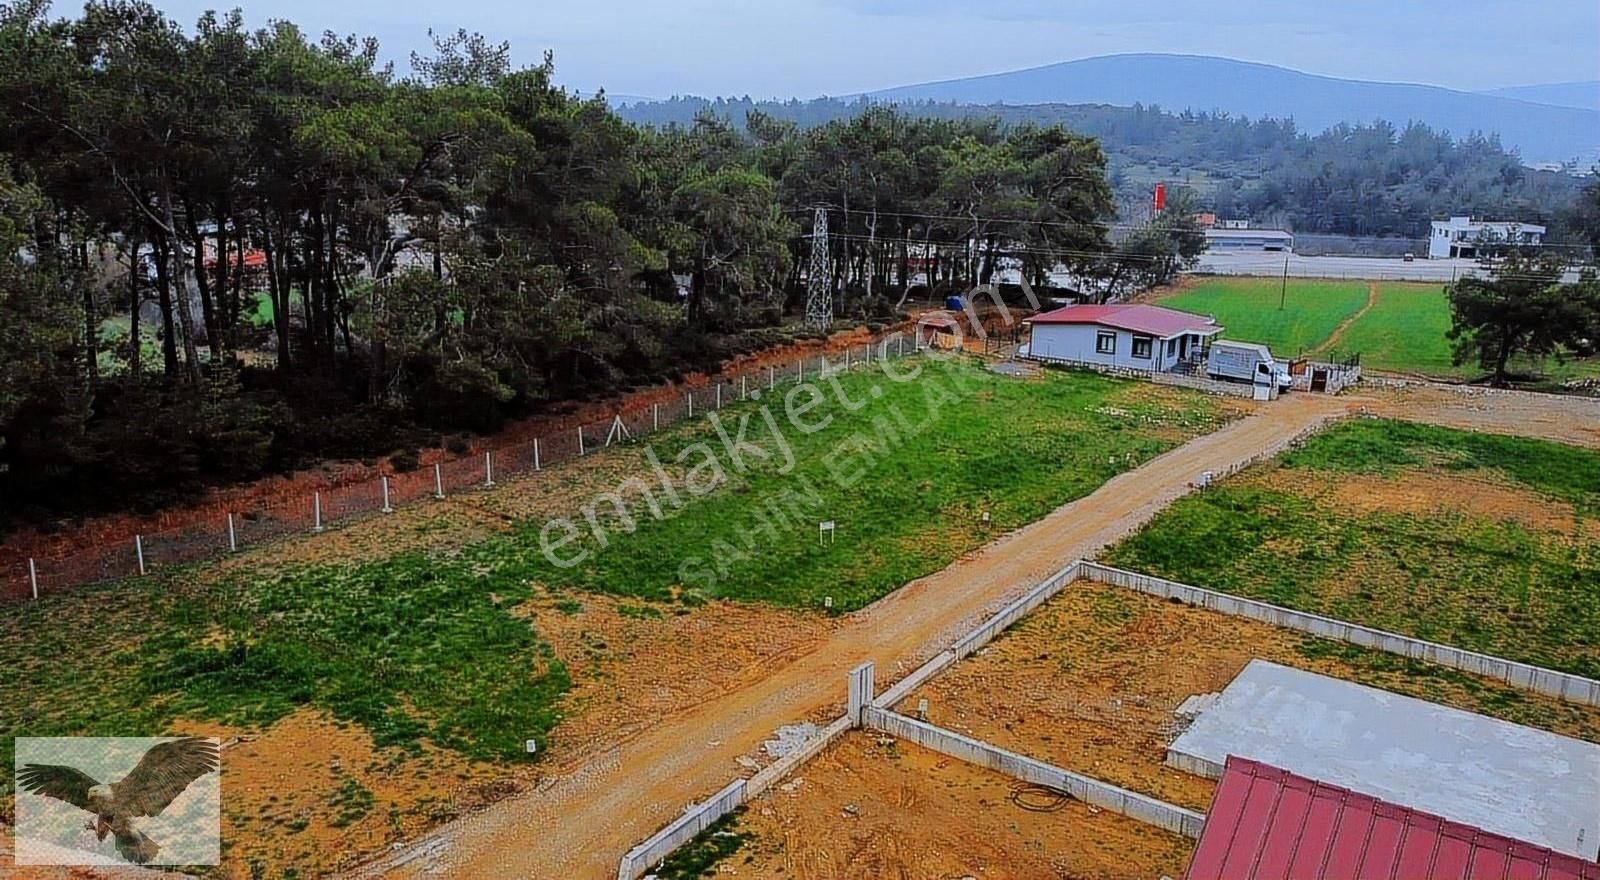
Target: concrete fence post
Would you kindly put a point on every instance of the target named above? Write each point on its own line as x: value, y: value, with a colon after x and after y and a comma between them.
x: 847, y: 360
x: 860, y: 691
x: 690, y: 397
x: 316, y: 511
x: 33, y: 578
x: 138, y: 551
x: 800, y: 371
x: 655, y: 416
x: 719, y: 394
x: 772, y: 378
x: 233, y: 536
x: 488, y: 470
x: 438, y: 481
x: 387, y: 508
x: 744, y: 387
x: 536, y: 465
x: 581, y: 449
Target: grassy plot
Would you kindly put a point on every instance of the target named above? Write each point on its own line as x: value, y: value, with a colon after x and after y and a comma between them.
x: 906, y: 479
x: 1338, y: 528
x: 1405, y: 331
x: 429, y: 647
x: 1248, y: 308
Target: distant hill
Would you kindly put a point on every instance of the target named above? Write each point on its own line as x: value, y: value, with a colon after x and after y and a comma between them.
x: 1542, y: 132
x: 1584, y: 94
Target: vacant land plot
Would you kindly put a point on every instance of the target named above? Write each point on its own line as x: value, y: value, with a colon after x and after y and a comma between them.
x: 872, y: 807
x: 1486, y: 542
x: 1249, y: 308
x: 1090, y: 680
x: 399, y: 687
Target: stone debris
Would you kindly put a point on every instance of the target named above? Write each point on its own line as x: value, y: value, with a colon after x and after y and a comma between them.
x: 791, y: 737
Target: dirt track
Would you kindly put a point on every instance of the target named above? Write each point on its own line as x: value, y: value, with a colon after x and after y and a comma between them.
x: 578, y: 824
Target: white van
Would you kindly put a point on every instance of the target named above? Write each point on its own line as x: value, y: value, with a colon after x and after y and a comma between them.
x: 1247, y: 362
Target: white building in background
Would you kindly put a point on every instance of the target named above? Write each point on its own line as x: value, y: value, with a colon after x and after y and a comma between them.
x: 1460, y: 237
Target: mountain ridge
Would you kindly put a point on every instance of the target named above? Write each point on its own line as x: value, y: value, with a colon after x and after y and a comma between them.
x: 1542, y: 132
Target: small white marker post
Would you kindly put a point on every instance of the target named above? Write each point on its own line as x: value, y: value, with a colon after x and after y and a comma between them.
x: 847, y: 360
x: 531, y: 746
x: 744, y: 387
x: 33, y: 578
x: 827, y: 602
x: 772, y: 378
x: 138, y: 550
x: 316, y: 512
x: 719, y: 394
x: 488, y: 470
x: 900, y: 346
x: 690, y: 395
x: 922, y: 709
x: 825, y: 529
x: 655, y: 416
x: 536, y: 464
x: 438, y: 481
x: 801, y: 374
x: 387, y: 508
x: 233, y: 535
x: 581, y: 450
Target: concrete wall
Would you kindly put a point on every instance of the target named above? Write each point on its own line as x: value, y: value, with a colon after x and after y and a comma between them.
x: 1091, y: 791
x: 1572, y: 688
x: 696, y: 819
x: 1201, y: 383
x: 996, y: 624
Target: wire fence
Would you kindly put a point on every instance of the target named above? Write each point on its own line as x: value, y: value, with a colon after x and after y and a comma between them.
x: 231, y: 531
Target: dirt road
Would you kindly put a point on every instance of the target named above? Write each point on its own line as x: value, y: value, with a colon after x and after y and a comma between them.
x: 577, y: 825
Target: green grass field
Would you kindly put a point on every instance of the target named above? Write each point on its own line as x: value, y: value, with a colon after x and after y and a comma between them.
x: 1473, y: 580
x: 1248, y: 308
x: 1403, y: 332
x: 418, y: 646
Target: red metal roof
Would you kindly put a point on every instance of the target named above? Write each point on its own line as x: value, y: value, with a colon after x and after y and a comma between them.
x: 1133, y: 317
x: 1269, y: 824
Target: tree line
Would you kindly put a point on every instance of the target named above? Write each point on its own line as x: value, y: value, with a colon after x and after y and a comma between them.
x: 231, y: 251
x: 1357, y: 179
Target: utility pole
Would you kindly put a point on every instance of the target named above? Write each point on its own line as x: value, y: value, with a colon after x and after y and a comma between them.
x: 1283, y: 293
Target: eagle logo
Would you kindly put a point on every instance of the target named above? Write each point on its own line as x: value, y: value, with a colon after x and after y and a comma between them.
x: 165, y: 771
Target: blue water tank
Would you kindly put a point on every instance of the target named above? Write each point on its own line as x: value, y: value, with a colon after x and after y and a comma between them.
x: 954, y: 303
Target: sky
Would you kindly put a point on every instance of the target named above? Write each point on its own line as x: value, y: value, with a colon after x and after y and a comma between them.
x: 807, y: 48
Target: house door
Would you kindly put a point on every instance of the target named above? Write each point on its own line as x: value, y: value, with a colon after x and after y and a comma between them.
x: 1319, y: 380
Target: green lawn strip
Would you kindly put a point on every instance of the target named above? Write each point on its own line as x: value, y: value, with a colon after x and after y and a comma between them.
x: 1483, y: 585
x: 1014, y: 449
x: 1249, y: 309
x: 418, y: 646
x: 701, y: 856
x: 1406, y: 331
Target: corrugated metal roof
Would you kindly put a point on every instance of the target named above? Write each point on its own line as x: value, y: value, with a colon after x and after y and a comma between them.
x: 1269, y: 824
x: 1133, y: 317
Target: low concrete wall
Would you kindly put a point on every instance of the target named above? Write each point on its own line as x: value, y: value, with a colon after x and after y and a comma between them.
x: 985, y: 632
x: 696, y: 819
x: 1572, y: 688
x: 1091, y: 791
x: 1201, y: 383
x: 758, y: 784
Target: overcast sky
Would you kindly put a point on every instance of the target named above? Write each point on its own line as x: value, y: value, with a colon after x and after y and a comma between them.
x: 805, y: 48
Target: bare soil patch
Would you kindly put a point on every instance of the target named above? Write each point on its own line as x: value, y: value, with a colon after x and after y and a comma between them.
x: 872, y: 808
x: 1089, y: 682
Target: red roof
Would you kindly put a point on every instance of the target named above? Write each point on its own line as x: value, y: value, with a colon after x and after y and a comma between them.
x: 1133, y: 317
x: 1269, y: 824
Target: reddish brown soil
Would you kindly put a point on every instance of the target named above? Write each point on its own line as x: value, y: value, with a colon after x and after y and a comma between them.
x: 873, y: 807
x: 1090, y: 680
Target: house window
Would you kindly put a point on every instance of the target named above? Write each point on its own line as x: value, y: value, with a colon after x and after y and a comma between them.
x: 1105, y: 343
x: 1141, y: 347
x: 1172, y: 348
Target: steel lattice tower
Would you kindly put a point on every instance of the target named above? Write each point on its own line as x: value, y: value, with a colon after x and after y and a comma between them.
x: 819, y: 287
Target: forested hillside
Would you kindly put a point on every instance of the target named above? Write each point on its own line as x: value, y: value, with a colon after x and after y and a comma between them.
x: 1364, y: 179
x: 229, y: 252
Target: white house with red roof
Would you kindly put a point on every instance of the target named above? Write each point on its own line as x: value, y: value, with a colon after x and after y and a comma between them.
x: 1130, y: 336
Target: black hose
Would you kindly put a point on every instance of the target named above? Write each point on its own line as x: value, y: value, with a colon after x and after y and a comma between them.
x: 1039, y: 798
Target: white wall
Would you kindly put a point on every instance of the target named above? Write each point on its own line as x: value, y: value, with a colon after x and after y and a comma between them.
x: 1076, y: 342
